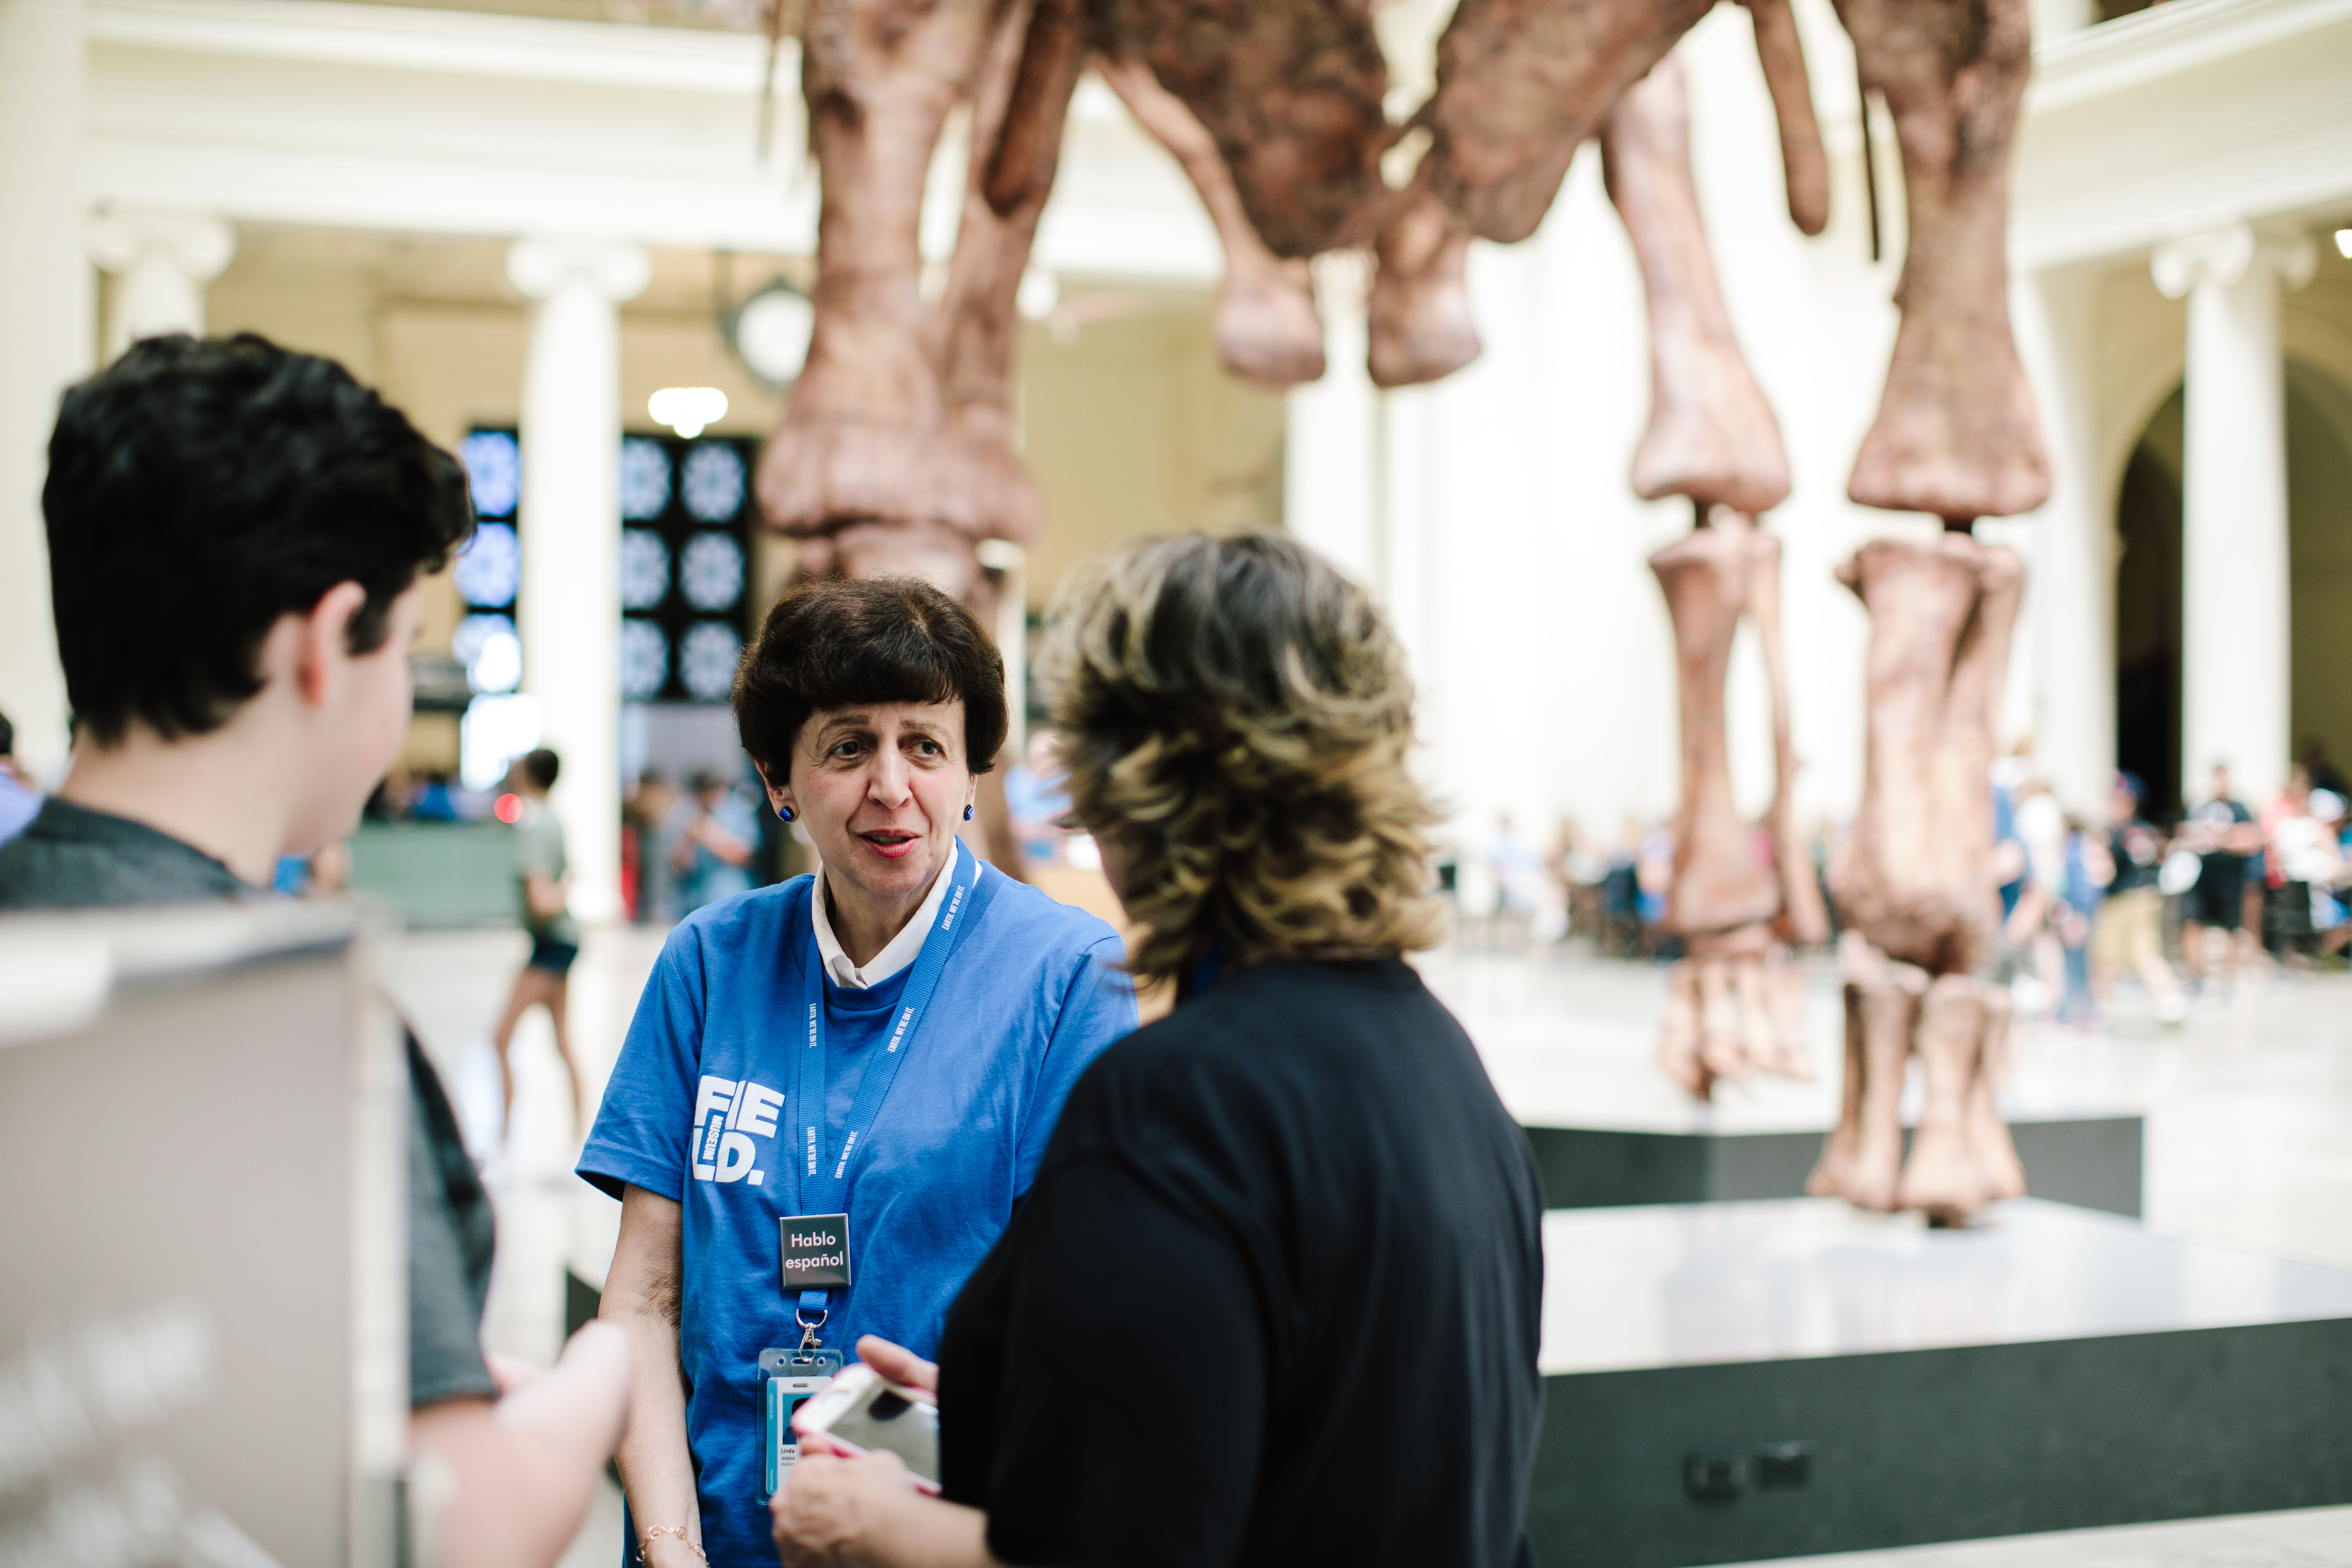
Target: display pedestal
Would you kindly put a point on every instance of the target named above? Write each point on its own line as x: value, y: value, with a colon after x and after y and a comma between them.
x: 2091, y: 1162
x: 1732, y: 1381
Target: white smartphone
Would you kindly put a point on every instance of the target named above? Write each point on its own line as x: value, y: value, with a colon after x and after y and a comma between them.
x: 865, y: 1413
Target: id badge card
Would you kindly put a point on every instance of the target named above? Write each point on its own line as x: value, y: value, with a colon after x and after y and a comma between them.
x: 788, y: 1379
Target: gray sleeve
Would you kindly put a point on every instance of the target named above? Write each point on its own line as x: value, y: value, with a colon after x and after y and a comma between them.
x: 444, y: 1315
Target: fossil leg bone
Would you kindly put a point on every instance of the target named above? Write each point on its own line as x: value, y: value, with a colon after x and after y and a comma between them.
x: 1419, y: 324
x: 1291, y: 92
x: 1834, y: 1174
x: 1911, y: 880
x: 895, y: 456
x: 1988, y: 1141
x: 1267, y: 328
x: 1711, y: 437
x: 1942, y: 1178
x: 1887, y: 994
x: 1956, y: 433
x: 866, y: 467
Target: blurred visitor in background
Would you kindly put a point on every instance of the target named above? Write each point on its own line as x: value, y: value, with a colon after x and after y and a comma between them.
x: 881, y: 1047
x: 2223, y: 835
x: 435, y: 799
x: 1275, y: 1294
x: 1654, y: 873
x: 645, y: 817
x: 2089, y: 868
x: 18, y: 799
x: 2008, y: 776
x: 1530, y: 889
x: 2285, y: 924
x: 1037, y: 797
x: 2128, y: 933
x: 542, y: 871
x: 1582, y: 870
x: 2321, y: 769
x: 714, y: 843
x: 2310, y: 865
x: 1620, y: 892
x: 2331, y: 874
x: 394, y: 800
x: 235, y: 535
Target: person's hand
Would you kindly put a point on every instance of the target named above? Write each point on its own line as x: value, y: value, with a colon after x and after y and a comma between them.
x: 511, y: 1373
x: 833, y: 1505
x: 898, y: 1364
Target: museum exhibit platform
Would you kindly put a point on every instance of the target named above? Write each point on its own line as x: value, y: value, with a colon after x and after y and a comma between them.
x: 2088, y: 1161
x: 1726, y: 1382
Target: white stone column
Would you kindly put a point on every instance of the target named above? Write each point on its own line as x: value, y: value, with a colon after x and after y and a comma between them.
x: 2234, y: 661
x: 164, y: 261
x: 569, y: 605
x: 2070, y: 591
x: 48, y: 325
x: 1331, y: 478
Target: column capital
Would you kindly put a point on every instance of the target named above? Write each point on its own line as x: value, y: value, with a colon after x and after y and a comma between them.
x: 200, y: 249
x: 614, y: 272
x: 2225, y: 256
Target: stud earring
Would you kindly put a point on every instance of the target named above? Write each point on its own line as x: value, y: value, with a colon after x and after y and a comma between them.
x: 783, y: 813
x: 967, y: 811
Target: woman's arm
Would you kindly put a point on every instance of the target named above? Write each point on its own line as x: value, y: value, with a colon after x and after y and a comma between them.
x: 522, y: 1471
x: 641, y: 1296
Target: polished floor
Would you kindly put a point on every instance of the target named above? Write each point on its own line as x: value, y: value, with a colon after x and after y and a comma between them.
x: 2248, y: 1108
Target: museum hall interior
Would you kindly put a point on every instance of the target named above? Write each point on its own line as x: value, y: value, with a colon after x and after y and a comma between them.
x: 1611, y: 741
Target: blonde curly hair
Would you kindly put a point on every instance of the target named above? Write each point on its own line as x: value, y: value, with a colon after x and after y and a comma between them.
x: 1236, y: 716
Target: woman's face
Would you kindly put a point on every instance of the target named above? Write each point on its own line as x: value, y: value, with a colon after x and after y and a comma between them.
x: 881, y: 790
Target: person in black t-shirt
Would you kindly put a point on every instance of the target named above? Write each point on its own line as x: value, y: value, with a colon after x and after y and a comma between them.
x: 2226, y: 839
x: 1274, y: 1296
x: 235, y: 536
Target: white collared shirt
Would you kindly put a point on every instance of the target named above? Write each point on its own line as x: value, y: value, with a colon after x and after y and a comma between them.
x: 896, y: 955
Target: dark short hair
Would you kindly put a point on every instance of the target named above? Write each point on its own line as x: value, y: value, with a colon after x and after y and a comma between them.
x: 7, y: 737
x: 200, y: 489
x: 540, y: 767
x: 848, y: 643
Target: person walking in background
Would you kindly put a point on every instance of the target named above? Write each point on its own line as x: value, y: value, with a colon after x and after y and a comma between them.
x: 2128, y: 932
x: 715, y: 843
x: 19, y: 801
x: 542, y: 869
x: 648, y: 813
x: 2089, y: 868
x: 2223, y: 835
x: 1035, y: 800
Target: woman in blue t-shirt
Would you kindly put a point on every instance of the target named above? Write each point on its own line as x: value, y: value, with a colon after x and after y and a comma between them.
x: 880, y: 1049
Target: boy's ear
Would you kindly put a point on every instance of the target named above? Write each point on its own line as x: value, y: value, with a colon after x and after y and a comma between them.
x: 323, y: 641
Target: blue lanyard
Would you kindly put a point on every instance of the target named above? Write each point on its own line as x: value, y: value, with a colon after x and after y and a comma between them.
x: 820, y: 1177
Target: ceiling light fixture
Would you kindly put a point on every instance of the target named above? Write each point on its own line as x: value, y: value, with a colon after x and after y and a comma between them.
x: 687, y: 409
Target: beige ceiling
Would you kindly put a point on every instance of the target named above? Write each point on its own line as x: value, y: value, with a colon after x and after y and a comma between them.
x: 722, y: 15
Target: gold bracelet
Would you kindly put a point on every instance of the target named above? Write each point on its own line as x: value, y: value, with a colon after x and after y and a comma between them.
x: 645, y: 1541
